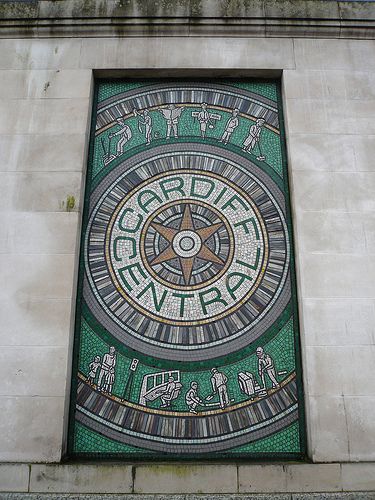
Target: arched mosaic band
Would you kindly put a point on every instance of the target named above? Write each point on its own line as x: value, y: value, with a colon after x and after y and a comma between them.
x: 187, y: 331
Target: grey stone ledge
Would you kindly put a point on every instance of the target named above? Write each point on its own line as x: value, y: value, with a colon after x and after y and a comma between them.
x: 252, y: 18
x: 269, y: 496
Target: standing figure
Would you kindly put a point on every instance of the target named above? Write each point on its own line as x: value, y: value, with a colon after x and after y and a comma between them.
x: 167, y: 396
x: 192, y: 399
x: 204, y: 119
x: 230, y: 126
x: 125, y: 135
x: 93, y: 366
x: 219, y: 385
x: 266, y: 365
x: 109, y: 380
x: 145, y: 119
x: 172, y: 115
x: 107, y: 368
x: 254, y: 136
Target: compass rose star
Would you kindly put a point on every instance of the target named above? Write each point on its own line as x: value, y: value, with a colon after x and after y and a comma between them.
x: 187, y: 243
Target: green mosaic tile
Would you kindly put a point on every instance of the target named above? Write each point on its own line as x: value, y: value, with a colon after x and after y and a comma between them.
x: 187, y: 328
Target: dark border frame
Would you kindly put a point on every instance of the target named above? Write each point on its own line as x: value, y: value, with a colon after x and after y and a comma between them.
x: 168, y: 457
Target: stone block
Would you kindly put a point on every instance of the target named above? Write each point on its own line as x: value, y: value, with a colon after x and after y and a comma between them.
x: 33, y: 370
x: 185, y: 479
x: 14, y: 477
x: 369, y: 232
x: 315, y: 231
x: 318, y: 9
x: 336, y: 191
x: 329, y: 84
x: 39, y: 322
x: 321, y: 54
x: 39, y: 232
x: 341, y: 276
x: 313, y: 477
x: 82, y: 478
x: 62, y: 152
x: 314, y: 84
x: 197, y: 52
x: 317, y: 116
x: 344, y: 370
x: 39, y: 191
x: 44, y: 84
x: 338, y: 321
x: 327, y: 428
x: 31, y: 429
x: 360, y: 415
x: 47, y: 116
x: 358, y: 477
x: 40, y: 54
x: 35, y: 277
x: 360, y: 10
x: 331, y: 152
x: 261, y: 478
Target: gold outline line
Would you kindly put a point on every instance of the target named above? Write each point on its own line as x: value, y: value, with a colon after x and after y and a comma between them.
x: 176, y: 322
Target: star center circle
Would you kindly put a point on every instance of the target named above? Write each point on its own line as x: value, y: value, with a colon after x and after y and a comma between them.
x: 187, y: 244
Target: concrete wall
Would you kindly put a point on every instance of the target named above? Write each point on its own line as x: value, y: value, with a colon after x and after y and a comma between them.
x: 329, y: 104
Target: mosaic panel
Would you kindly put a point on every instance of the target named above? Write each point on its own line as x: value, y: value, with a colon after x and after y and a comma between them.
x: 186, y: 331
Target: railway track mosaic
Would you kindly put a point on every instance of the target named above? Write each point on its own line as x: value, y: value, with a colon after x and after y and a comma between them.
x: 186, y: 337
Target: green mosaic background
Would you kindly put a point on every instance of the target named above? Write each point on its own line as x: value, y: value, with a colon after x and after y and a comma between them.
x: 280, y: 341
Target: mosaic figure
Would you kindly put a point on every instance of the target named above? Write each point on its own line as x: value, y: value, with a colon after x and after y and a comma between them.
x: 219, y: 386
x: 205, y: 119
x: 172, y: 114
x: 146, y: 121
x: 109, y: 380
x: 171, y: 392
x: 230, y: 126
x: 93, y: 367
x: 192, y: 399
x: 125, y: 135
x: 253, y: 139
x: 266, y: 366
x: 186, y: 263
x: 107, y: 371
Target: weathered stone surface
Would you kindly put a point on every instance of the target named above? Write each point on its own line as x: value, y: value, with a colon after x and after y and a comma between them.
x: 262, y: 478
x: 81, y: 478
x: 31, y: 428
x: 14, y: 477
x: 358, y: 477
x: 185, y: 479
x: 197, y: 53
x: 313, y: 477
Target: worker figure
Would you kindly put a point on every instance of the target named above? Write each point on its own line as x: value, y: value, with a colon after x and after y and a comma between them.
x: 144, y: 119
x: 108, y: 366
x: 230, y: 126
x: 254, y: 135
x: 192, y: 399
x: 93, y: 366
x: 266, y: 365
x: 204, y: 119
x: 167, y: 396
x: 219, y: 385
x: 172, y: 115
x: 125, y: 135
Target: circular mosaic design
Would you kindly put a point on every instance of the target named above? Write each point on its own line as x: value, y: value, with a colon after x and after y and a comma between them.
x: 185, y: 259
x: 186, y: 245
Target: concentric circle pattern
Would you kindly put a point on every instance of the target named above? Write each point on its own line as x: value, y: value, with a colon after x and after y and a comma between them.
x: 186, y: 327
x: 187, y: 247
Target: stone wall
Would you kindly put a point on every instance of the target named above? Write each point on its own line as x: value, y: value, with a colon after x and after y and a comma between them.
x: 329, y: 105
